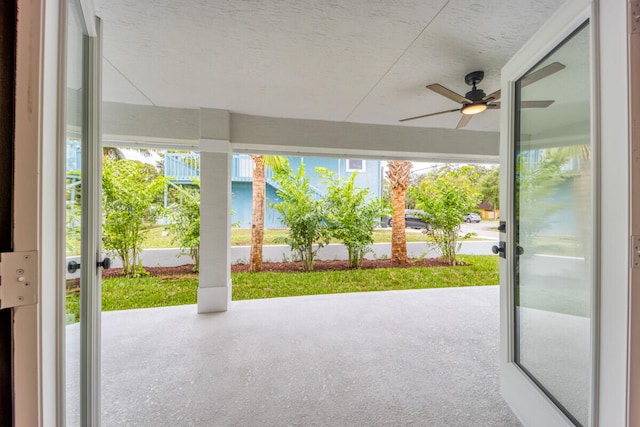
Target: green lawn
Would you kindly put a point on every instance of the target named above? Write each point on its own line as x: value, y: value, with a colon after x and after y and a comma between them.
x: 123, y: 293
x: 158, y: 238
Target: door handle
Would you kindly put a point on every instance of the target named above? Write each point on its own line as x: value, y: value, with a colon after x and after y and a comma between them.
x: 105, y: 263
x: 501, y: 249
x: 74, y: 266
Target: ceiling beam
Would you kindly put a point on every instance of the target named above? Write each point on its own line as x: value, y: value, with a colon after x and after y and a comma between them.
x: 126, y: 124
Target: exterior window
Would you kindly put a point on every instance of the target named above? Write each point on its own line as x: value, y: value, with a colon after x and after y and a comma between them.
x: 356, y: 165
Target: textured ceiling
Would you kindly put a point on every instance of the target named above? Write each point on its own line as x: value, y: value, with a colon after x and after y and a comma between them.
x: 355, y: 61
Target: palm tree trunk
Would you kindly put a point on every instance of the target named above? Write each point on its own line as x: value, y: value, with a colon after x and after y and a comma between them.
x: 399, y: 175
x: 398, y: 232
x: 257, y: 214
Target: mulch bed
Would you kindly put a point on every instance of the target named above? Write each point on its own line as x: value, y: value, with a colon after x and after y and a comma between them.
x: 278, y: 267
x: 290, y: 267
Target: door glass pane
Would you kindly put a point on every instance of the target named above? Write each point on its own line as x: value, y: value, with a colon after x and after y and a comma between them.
x: 74, y: 116
x: 554, y: 226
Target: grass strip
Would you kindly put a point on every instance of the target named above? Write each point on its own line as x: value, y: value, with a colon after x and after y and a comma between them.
x: 482, y: 271
x: 121, y: 293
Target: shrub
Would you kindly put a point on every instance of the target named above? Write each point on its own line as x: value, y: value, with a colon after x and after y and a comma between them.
x: 302, y: 213
x: 351, y: 215
x: 184, y: 222
x: 446, y: 199
x: 129, y: 190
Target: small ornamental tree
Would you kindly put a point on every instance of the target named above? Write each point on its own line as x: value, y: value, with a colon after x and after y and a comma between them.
x: 490, y: 187
x: 446, y: 199
x: 302, y: 213
x: 184, y: 222
x: 129, y: 191
x: 351, y: 216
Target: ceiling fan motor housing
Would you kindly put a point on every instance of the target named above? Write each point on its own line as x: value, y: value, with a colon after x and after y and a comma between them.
x: 475, y: 95
x: 472, y: 79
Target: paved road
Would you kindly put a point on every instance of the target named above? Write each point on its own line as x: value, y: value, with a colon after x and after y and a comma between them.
x: 484, y: 229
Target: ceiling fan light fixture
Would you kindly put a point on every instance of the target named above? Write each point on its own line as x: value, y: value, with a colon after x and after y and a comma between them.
x: 474, y: 108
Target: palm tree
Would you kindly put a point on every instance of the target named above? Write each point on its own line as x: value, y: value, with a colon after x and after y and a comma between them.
x: 257, y: 212
x: 399, y: 175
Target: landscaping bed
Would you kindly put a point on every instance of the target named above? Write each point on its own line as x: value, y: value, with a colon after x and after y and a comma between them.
x: 167, y: 286
x: 290, y: 267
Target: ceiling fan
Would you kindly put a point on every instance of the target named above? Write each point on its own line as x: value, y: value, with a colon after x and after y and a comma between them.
x: 475, y: 101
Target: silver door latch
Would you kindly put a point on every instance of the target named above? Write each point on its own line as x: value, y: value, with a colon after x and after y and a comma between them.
x: 18, y: 278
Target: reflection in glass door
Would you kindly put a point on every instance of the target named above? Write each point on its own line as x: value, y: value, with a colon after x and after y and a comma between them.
x: 554, y: 243
x: 74, y: 113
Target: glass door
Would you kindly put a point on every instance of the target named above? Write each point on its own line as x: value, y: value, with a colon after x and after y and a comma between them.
x: 82, y: 213
x: 547, y: 274
x: 73, y: 208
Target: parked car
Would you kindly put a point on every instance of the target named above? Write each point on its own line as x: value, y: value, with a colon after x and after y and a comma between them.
x: 472, y: 217
x: 413, y: 218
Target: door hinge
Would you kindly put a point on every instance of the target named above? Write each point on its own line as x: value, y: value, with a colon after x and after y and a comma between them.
x: 18, y: 278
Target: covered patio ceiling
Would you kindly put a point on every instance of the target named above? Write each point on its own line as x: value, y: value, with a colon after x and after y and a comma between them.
x: 342, y: 62
x: 346, y: 61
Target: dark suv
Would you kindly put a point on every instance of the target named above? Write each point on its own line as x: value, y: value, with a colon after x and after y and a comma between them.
x: 413, y: 218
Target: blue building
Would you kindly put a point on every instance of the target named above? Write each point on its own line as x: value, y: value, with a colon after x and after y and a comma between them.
x: 181, y: 168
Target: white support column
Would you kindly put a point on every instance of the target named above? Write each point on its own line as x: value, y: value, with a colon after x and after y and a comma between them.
x: 214, y: 290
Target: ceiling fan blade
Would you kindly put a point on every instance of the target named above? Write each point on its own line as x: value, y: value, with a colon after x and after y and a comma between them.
x: 524, y: 104
x: 428, y: 115
x: 493, y: 96
x: 543, y: 72
x: 464, y: 120
x: 531, y: 78
x: 449, y: 94
x: 535, y: 104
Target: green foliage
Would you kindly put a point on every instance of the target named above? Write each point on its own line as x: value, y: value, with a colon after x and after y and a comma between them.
x: 446, y: 197
x: 184, y: 222
x: 301, y: 213
x: 73, y: 212
x: 538, y: 177
x: 490, y: 187
x: 129, y: 191
x: 351, y: 215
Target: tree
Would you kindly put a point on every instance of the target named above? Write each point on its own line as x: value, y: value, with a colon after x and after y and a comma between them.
x: 184, y: 221
x: 490, y: 188
x: 129, y: 192
x: 302, y: 213
x: 446, y: 199
x: 351, y: 215
x: 257, y: 213
x: 399, y: 175
x: 539, y: 175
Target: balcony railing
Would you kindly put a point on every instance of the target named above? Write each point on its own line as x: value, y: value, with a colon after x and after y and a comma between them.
x: 184, y: 167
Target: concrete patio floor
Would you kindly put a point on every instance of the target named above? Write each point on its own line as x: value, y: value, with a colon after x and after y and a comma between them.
x: 424, y: 357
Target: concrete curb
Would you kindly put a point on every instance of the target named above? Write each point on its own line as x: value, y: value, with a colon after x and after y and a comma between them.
x: 170, y: 257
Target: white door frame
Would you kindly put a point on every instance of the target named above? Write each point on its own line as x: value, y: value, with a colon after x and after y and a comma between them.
x: 90, y: 274
x: 39, y: 123
x: 531, y: 404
